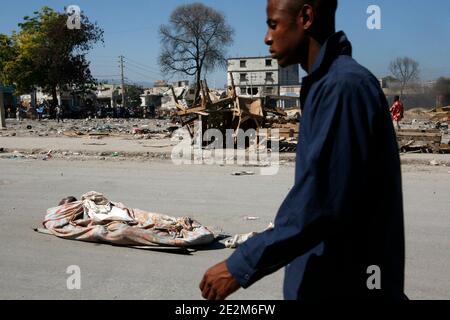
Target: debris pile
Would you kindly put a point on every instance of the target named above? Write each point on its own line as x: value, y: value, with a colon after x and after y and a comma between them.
x: 239, y: 114
x: 425, y: 131
x: 92, y: 128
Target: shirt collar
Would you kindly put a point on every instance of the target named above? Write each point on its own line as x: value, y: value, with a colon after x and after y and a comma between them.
x: 335, y: 45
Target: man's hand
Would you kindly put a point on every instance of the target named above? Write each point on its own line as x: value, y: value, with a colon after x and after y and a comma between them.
x: 218, y: 283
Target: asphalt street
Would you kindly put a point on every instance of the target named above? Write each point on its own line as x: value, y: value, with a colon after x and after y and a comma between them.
x: 33, y: 266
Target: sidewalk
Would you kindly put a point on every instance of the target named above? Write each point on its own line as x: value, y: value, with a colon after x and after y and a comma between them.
x: 130, y: 148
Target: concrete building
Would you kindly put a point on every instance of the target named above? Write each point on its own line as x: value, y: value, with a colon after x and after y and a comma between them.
x: 109, y: 95
x: 261, y: 76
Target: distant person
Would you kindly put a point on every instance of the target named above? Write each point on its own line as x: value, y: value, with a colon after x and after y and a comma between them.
x: 9, y: 112
x: 58, y: 111
x: 397, y: 111
x: 40, y: 111
x: 19, y: 113
x: 144, y: 112
x: 100, y: 112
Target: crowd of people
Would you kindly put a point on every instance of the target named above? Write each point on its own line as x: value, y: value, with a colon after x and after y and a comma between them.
x: 58, y: 113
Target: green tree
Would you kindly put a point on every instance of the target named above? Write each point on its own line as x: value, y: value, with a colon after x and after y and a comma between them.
x: 51, y: 56
x: 134, y: 95
x: 6, y: 56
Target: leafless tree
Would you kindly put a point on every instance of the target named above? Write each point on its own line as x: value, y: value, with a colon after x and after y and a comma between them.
x: 194, y: 40
x: 405, y: 70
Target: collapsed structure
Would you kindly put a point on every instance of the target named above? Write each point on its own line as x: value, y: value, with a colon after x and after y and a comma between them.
x: 429, y: 135
x: 240, y: 114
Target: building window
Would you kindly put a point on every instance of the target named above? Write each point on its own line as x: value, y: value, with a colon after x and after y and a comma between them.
x: 243, y: 63
x: 243, y: 77
x: 243, y: 90
x: 269, y: 90
x: 268, y: 62
x: 252, y: 91
x: 269, y: 76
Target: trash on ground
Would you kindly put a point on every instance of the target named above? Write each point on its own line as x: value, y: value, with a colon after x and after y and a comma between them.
x: 434, y: 163
x: 243, y: 173
x: 48, y: 156
x: 239, y: 239
x: 94, y: 144
x: 251, y: 218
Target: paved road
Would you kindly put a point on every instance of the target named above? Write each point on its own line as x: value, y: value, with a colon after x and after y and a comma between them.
x: 33, y: 266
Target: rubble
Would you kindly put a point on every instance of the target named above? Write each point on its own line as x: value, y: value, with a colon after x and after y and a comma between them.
x: 425, y: 131
x: 239, y: 113
x: 92, y: 129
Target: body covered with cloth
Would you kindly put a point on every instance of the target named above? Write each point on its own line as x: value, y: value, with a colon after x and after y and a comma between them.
x: 96, y: 219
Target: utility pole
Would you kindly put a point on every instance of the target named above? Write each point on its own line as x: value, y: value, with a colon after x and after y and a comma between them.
x: 251, y: 83
x: 2, y: 110
x: 123, y: 82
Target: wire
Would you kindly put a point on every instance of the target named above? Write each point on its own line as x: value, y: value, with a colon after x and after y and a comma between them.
x: 142, y: 76
x: 145, y: 69
x: 143, y: 65
x: 141, y: 72
x: 109, y: 75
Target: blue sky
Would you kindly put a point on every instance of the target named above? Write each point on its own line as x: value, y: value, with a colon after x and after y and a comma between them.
x: 419, y: 29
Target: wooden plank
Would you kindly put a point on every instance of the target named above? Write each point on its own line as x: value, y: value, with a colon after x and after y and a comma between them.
x: 428, y: 140
x: 418, y: 134
x: 191, y: 110
x: 418, y: 130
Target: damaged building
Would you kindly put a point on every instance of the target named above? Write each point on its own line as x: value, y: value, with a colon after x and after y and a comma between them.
x: 258, y: 77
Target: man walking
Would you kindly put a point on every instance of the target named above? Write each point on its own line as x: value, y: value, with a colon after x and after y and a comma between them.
x: 339, y: 232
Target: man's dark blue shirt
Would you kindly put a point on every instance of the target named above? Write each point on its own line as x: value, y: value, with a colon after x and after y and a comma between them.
x: 340, y: 229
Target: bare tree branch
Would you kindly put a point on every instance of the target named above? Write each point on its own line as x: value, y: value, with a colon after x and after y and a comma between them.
x: 194, y: 40
x: 405, y: 70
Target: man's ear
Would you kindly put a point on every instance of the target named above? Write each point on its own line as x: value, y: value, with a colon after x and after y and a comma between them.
x: 306, y: 17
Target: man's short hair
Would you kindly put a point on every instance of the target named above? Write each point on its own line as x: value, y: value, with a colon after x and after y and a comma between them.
x: 325, y: 12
